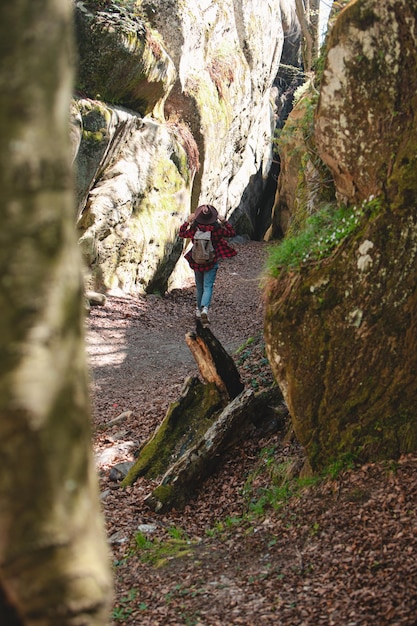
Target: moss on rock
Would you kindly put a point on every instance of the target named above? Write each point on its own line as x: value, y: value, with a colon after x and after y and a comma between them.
x: 186, y: 421
x: 341, y: 341
x: 341, y: 331
x: 122, y: 61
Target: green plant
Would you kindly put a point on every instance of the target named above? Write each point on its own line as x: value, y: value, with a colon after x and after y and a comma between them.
x: 308, y: 481
x: 244, y: 345
x: 271, y: 497
x: 233, y: 521
x: 273, y: 482
x: 278, y: 489
x: 158, y: 552
x: 177, y: 533
x: 306, y: 99
x: 336, y: 467
x: 142, y: 542
x: 120, y: 613
x: 322, y: 233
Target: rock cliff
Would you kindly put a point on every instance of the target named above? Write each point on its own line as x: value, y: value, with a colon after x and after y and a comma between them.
x: 341, y: 317
x: 176, y: 106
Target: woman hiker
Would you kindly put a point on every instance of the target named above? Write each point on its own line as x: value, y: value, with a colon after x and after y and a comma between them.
x: 206, y: 219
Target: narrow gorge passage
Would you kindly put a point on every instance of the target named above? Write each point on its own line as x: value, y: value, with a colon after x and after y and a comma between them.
x: 137, y: 352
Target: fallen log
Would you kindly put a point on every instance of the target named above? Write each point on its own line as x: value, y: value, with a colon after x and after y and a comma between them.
x: 197, y: 462
x: 214, y: 363
x: 202, y: 424
x: 238, y: 420
x: 196, y: 409
x: 186, y: 419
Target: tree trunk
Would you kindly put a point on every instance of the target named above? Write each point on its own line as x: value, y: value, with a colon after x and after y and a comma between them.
x: 215, y: 364
x: 199, y: 461
x: 195, y: 411
x: 238, y: 420
x: 54, y: 565
x: 308, y: 16
x: 201, y: 425
x: 186, y: 421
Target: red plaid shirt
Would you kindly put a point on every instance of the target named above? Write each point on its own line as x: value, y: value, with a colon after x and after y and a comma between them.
x: 222, y: 250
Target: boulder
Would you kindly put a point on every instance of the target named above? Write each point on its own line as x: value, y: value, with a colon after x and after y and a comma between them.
x: 120, y: 59
x: 341, y: 333
x: 133, y: 184
x: 365, y: 129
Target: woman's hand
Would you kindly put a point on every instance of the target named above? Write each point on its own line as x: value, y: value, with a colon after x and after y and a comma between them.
x: 191, y: 218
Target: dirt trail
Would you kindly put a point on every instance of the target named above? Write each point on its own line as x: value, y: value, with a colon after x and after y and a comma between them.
x: 247, y: 550
x: 136, y: 346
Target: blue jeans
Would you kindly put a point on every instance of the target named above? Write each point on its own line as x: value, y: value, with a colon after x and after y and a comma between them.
x: 204, y: 282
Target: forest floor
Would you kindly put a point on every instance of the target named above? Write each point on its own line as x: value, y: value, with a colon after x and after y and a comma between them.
x: 253, y: 546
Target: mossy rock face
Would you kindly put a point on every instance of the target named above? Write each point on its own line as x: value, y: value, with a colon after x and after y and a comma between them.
x: 364, y: 127
x: 341, y: 339
x: 207, y: 69
x: 304, y: 181
x: 120, y: 61
x: 341, y: 335
x: 95, y: 135
x: 128, y: 228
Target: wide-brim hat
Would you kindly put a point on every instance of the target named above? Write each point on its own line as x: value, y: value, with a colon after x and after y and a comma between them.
x: 206, y: 214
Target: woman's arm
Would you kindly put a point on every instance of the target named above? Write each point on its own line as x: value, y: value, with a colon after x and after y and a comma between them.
x: 187, y: 230
x: 226, y: 229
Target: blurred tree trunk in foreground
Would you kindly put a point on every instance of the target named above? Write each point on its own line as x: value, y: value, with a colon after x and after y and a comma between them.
x: 54, y: 565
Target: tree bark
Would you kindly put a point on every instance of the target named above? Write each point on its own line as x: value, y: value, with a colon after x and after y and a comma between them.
x: 54, y: 563
x: 199, y: 461
x: 184, y: 423
x: 195, y: 411
x: 308, y: 16
x: 241, y: 417
x: 201, y: 425
x: 214, y: 363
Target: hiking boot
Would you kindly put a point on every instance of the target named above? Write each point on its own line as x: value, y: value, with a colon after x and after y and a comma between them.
x: 204, y: 316
x: 198, y: 314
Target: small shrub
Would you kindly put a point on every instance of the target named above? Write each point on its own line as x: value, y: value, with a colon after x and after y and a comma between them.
x: 122, y: 611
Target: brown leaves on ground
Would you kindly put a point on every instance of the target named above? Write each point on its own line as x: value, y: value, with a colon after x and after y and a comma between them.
x: 254, y: 546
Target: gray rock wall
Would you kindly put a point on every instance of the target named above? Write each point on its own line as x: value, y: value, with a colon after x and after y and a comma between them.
x: 136, y: 177
x: 176, y: 108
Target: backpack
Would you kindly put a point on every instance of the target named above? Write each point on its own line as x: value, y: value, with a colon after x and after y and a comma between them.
x: 202, y: 251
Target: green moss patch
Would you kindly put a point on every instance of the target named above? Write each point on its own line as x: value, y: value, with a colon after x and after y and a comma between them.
x: 185, y: 422
x: 321, y: 234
